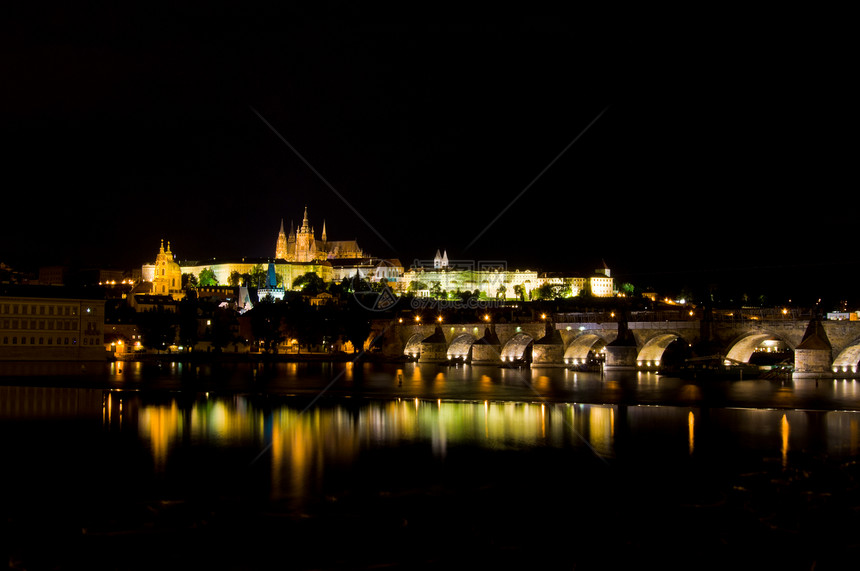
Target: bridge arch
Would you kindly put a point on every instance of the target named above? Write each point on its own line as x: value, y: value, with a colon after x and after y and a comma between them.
x: 578, y: 349
x: 742, y: 348
x: 848, y: 359
x: 413, y: 345
x: 518, y: 347
x: 461, y: 347
x: 653, y: 349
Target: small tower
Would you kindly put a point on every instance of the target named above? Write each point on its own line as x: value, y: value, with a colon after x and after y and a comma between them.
x: 437, y: 260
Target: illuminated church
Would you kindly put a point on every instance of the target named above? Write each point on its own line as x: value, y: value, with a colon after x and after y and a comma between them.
x: 165, y: 274
x: 302, y: 246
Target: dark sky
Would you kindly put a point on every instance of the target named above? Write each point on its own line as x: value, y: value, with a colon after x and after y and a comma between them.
x: 682, y: 156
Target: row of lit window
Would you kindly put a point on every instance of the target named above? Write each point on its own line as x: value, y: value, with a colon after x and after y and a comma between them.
x: 58, y: 324
x: 28, y: 309
x: 42, y: 341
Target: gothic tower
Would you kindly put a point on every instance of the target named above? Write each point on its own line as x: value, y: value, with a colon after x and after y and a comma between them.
x: 305, y: 247
x: 281, y: 246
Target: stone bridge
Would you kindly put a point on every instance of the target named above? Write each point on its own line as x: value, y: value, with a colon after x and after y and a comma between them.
x: 821, y: 348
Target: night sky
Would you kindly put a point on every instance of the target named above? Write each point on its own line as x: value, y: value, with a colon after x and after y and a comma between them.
x: 716, y: 154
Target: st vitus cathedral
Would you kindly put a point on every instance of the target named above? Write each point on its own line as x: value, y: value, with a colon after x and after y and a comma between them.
x: 301, y: 245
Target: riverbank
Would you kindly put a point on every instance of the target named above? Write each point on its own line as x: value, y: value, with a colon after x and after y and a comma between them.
x: 229, y: 357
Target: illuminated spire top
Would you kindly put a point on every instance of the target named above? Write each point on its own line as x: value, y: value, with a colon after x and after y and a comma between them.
x: 305, y: 226
x: 323, y: 232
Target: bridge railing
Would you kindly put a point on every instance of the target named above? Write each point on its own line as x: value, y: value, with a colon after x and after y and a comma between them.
x: 610, y: 317
x: 718, y: 315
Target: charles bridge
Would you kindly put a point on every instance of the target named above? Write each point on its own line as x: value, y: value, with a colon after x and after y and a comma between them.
x: 821, y: 348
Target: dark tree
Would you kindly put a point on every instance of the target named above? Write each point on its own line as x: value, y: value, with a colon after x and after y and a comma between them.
x: 188, y: 311
x: 310, y: 283
x: 266, y: 323
x: 157, y: 328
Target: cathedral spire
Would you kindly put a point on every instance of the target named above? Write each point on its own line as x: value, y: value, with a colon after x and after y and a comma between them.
x: 281, y: 244
x: 323, y: 232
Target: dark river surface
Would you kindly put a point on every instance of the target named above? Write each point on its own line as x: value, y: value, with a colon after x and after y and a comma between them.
x: 342, y: 466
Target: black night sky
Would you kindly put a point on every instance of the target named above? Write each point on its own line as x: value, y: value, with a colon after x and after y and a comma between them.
x: 551, y: 140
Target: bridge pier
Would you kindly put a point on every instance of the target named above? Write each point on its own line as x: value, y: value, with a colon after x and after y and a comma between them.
x: 622, y: 352
x: 814, y: 356
x: 434, y: 349
x: 620, y: 358
x: 488, y: 349
x: 548, y: 351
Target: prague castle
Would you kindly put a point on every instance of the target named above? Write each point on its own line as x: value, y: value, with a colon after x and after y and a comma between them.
x: 300, y: 252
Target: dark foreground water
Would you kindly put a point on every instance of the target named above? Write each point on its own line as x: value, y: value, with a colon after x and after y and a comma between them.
x: 340, y: 466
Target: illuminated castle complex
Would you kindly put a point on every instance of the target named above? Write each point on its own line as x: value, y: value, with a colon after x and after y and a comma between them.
x: 301, y: 245
x: 300, y: 252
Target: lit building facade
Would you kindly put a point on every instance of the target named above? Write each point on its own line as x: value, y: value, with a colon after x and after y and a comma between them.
x: 51, y: 328
x: 600, y: 283
x: 286, y: 272
x: 426, y: 282
x: 498, y: 283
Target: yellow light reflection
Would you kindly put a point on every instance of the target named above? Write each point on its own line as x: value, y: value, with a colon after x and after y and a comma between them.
x: 691, y: 429
x: 163, y: 426
x: 784, y: 430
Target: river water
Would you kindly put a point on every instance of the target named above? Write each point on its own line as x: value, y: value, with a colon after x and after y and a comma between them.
x: 343, y: 466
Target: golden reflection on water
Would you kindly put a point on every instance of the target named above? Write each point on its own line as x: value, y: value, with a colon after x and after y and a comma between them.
x: 784, y: 430
x: 302, y: 444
